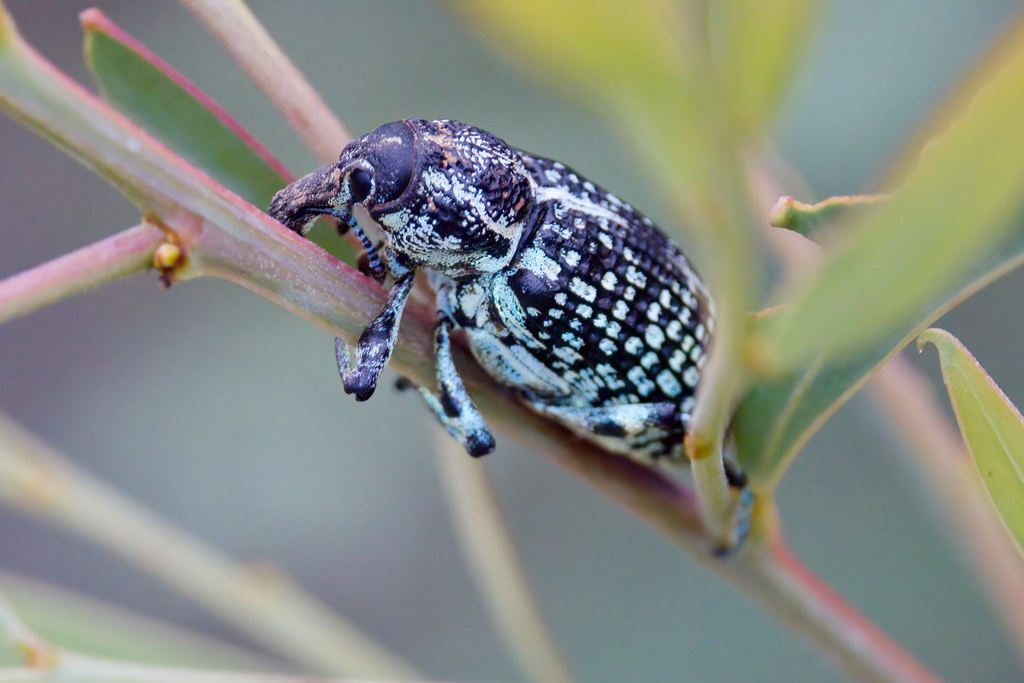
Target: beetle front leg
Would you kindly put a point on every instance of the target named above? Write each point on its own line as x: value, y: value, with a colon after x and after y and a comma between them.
x: 361, y: 367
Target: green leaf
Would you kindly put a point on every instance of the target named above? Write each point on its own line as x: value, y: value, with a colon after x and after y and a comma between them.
x: 152, y: 93
x: 155, y: 95
x: 779, y: 414
x: 643, y: 61
x: 948, y: 214
x: 606, y: 45
x: 90, y: 627
x: 812, y: 220
x: 759, y: 43
x: 992, y: 427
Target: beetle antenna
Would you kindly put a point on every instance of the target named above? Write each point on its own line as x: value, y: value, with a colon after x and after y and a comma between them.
x: 373, y: 261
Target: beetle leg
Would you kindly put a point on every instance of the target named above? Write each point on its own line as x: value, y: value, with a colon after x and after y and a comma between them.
x: 361, y: 367
x: 647, y: 427
x: 644, y: 425
x: 452, y: 405
x: 453, y: 399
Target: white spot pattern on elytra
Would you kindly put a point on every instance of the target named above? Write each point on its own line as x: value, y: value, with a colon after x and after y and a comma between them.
x: 668, y: 383
x: 583, y: 290
x: 654, y: 337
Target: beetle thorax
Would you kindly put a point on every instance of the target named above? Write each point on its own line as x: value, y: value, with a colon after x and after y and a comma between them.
x: 452, y: 223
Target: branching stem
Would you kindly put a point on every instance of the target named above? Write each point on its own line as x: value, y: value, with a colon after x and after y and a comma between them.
x: 110, y: 259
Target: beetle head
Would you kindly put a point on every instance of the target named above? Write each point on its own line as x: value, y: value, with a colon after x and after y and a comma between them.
x: 448, y: 196
x: 376, y: 168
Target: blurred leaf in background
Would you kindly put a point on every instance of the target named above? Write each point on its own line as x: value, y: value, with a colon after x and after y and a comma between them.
x: 991, y: 425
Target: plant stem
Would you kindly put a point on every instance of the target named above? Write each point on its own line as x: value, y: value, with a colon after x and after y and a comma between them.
x: 269, y: 67
x: 109, y: 259
x: 258, y: 600
x: 494, y: 564
x: 773, y: 576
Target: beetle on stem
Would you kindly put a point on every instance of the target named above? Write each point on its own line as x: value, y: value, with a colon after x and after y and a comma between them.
x: 567, y: 294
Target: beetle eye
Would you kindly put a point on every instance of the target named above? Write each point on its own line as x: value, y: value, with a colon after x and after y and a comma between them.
x: 359, y: 185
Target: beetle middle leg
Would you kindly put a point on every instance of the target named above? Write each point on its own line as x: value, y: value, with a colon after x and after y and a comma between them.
x: 451, y: 404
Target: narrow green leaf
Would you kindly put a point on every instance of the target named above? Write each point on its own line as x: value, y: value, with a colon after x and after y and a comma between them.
x: 152, y: 93
x: 644, y: 62
x: 91, y: 627
x: 779, y: 414
x: 952, y: 208
x: 992, y: 427
x: 811, y: 220
x: 759, y: 43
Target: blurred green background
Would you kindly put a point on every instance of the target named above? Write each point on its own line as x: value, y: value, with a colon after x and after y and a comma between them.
x: 225, y: 414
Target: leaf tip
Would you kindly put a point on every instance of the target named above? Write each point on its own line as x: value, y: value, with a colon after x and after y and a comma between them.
x: 935, y: 336
x: 782, y: 213
x: 92, y: 19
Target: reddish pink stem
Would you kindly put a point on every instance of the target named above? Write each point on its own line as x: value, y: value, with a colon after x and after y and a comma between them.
x: 88, y: 267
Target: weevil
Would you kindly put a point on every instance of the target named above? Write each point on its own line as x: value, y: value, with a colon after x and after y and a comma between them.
x: 568, y: 295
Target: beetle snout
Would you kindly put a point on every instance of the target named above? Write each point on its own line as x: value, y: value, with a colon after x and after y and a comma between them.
x: 318, y: 193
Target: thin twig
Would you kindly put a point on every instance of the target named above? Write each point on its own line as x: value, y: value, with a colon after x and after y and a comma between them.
x: 257, y: 600
x: 104, y: 261
x: 494, y: 564
x: 269, y: 67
